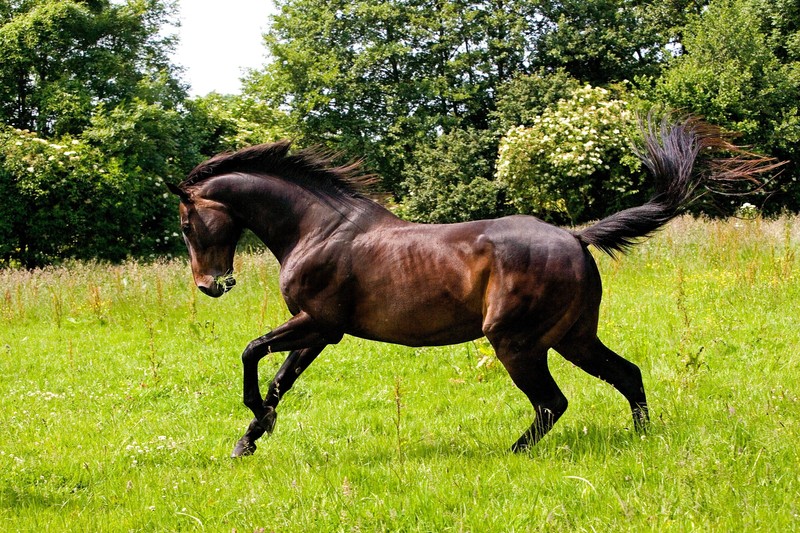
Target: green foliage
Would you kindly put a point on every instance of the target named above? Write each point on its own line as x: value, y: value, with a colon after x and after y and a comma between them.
x: 453, y: 178
x: 728, y: 72
x: 739, y: 71
x: 92, y: 82
x: 380, y: 78
x: 94, y: 77
x: 391, y: 81
x: 145, y: 136
x: 573, y: 163
x: 223, y: 123
x: 422, y: 90
x: 522, y: 99
x: 62, y: 58
x: 447, y: 181
x: 377, y: 78
x: 68, y: 199
x: 605, y: 41
x: 780, y: 22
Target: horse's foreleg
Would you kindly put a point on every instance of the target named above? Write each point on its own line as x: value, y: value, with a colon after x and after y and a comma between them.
x: 264, y: 422
x: 291, y: 369
x: 306, y: 340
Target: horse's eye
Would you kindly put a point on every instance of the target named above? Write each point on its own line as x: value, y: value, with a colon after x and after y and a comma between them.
x: 186, y: 228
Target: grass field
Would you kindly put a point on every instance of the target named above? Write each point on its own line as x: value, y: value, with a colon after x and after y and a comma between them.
x: 120, y: 400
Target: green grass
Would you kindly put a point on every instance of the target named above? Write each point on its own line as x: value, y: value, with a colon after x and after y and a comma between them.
x: 120, y: 393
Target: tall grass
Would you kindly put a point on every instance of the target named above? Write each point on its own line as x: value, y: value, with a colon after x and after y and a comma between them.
x: 120, y: 400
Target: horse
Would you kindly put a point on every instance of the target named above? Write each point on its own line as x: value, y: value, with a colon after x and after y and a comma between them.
x: 349, y: 266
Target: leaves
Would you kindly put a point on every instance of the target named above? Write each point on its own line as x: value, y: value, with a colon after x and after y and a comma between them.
x: 739, y: 71
x: 567, y: 161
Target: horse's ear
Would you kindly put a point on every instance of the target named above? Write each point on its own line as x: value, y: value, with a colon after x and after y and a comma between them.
x: 183, y: 195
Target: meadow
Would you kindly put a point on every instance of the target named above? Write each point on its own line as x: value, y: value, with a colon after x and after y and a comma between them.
x: 120, y: 401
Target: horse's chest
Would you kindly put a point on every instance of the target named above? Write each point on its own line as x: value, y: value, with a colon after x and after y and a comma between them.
x: 316, y: 288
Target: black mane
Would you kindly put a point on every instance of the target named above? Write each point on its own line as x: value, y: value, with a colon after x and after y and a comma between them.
x: 311, y: 167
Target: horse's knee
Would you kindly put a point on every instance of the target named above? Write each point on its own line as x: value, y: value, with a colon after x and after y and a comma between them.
x: 253, y: 353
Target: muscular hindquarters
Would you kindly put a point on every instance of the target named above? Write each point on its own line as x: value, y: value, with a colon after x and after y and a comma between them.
x: 538, y: 289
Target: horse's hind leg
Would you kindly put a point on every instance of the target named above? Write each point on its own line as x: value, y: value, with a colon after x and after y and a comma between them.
x: 530, y: 373
x: 595, y: 358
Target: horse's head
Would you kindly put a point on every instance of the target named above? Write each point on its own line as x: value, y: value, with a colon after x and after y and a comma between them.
x: 211, y: 234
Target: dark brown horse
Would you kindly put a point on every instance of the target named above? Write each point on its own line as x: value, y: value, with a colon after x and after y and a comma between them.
x: 349, y: 266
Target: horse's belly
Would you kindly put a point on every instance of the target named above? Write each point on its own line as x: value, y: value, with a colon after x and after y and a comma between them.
x: 433, y: 324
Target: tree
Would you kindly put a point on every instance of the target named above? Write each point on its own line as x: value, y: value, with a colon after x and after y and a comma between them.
x: 391, y: 80
x: 741, y: 70
x: 522, y: 99
x: 63, y: 58
x: 94, y: 122
x: 451, y: 179
x: 223, y: 123
x: 606, y: 41
x: 377, y: 78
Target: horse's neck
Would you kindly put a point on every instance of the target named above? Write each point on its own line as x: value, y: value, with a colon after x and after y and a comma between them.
x: 284, y: 214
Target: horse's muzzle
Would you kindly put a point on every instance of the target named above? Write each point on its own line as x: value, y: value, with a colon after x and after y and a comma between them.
x: 228, y: 283
x: 218, y: 287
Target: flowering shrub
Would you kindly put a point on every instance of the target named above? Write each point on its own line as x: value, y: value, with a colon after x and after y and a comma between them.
x: 747, y: 211
x: 573, y: 163
x: 67, y: 199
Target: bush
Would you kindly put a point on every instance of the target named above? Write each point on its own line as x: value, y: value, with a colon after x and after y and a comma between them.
x: 447, y: 182
x: 573, y: 163
x: 739, y: 71
x: 66, y: 199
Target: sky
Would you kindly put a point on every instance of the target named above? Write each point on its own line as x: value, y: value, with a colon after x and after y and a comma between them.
x: 219, y: 39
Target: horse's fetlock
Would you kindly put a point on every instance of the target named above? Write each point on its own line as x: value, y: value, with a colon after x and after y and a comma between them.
x: 267, y: 422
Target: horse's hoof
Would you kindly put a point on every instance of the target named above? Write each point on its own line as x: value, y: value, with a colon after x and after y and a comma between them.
x: 243, y: 449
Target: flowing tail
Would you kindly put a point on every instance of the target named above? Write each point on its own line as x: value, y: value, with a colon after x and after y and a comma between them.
x: 670, y: 152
